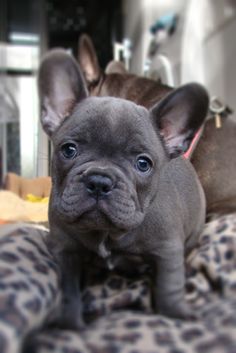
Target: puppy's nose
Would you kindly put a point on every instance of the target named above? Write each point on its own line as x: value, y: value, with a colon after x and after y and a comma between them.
x: 99, y: 185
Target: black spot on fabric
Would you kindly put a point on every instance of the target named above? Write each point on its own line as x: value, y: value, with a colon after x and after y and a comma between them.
x: 190, y: 287
x: 23, y: 270
x: 217, y: 255
x: 41, y: 268
x: 131, y: 337
x: 52, y: 265
x: 5, y: 272
x: 220, y: 343
x: 28, y: 254
x: 19, y: 285
x: 191, y: 334
x: 34, y: 305
x: 41, y: 251
x: 158, y: 322
x: 229, y: 254
x: 221, y: 228
x: 35, y: 244
x: 22, y: 231
x: 224, y: 239
x: 205, y: 239
x: 164, y: 338
x: 191, y: 272
x: 14, y: 318
x: 132, y: 324
x: 7, y: 301
x: 53, y: 290
x: 9, y: 257
x: 38, y: 285
x: 204, y: 256
x: 216, y: 283
x: 7, y: 240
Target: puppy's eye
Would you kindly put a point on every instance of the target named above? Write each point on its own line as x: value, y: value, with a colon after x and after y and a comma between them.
x: 144, y: 164
x: 69, y: 150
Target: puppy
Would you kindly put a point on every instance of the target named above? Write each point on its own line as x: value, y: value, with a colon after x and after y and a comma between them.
x: 214, y: 157
x: 119, y: 183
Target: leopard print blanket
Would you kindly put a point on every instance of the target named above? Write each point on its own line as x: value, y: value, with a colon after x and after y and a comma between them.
x: 117, y: 308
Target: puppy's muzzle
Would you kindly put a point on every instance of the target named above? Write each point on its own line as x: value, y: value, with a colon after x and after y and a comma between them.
x: 98, y: 186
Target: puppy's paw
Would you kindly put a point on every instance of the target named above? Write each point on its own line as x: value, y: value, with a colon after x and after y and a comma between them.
x: 70, y: 318
x: 181, y: 311
x: 75, y: 323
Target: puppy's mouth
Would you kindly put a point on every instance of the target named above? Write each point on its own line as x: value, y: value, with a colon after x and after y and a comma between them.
x: 100, y: 205
x: 105, y: 214
x: 95, y: 219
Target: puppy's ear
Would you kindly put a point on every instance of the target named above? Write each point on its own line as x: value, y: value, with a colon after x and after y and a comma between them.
x: 88, y: 59
x: 179, y: 116
x: 61, y: 86
x: 115, y: 67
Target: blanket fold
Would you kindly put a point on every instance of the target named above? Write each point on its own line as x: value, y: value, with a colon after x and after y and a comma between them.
x: 116, y: 307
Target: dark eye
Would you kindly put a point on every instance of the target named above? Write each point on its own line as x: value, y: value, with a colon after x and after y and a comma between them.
x: 143, y: 164
x: 69, y: 150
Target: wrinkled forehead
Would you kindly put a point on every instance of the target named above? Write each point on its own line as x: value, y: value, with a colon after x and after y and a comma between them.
x: 111, y: 112
x: 105, y: 118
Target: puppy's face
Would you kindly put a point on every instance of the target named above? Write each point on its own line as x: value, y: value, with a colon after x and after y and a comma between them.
x: 106, y: 160
x: 108, y: 152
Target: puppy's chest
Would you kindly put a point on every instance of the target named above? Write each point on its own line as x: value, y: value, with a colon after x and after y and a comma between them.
x: 122, y: 256
x: 108, y: 247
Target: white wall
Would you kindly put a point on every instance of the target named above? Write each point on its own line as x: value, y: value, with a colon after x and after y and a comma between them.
x: 203, y: 48
x: 139, y: 15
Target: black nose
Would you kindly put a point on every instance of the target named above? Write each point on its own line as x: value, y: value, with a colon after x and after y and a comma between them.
x: 98, y: 185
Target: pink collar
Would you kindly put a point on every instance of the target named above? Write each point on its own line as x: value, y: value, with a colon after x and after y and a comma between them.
x: 189, y: 152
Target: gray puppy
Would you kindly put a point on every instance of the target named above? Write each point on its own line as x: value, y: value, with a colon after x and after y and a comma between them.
x: 213, y: 157
x: 120, y: 185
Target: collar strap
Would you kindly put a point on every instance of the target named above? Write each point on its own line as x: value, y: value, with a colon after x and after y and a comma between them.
x: 189, y: 152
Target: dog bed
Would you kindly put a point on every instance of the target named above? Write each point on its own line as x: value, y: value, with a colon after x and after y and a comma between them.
x: 116, y: 307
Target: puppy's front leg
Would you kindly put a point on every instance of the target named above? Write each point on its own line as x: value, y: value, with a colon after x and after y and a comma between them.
x: 169, y: 283
x: 71, y: 310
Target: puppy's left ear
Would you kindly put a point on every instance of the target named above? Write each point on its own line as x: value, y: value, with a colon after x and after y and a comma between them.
x: 179, y: 116
x: 61, y: 87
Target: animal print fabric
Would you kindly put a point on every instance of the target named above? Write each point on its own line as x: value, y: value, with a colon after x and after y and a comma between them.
x: 117, y: 308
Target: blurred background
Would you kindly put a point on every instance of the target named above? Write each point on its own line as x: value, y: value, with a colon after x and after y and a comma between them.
x: 175, y: 40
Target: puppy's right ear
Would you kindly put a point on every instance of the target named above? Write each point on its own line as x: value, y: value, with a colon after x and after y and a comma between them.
x: 61, y: 86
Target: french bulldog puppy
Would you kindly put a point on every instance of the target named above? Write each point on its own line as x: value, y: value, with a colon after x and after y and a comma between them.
x: 119, y: 183
x: 214, y: 157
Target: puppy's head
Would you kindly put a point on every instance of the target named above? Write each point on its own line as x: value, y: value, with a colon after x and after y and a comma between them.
x: 108, y: 152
